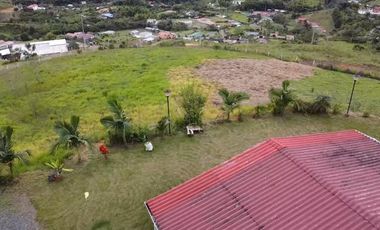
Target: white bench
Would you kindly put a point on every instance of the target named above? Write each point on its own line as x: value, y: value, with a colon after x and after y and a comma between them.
x: 191, y: 129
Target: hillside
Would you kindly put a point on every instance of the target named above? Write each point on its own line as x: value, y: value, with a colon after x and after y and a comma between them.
x: 323, y: 18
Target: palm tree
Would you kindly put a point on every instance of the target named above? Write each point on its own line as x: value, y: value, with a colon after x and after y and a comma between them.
x: 281, y: 98
x: 118, y: 124
x: 7, y: 154
x: 232, y: 100
x: 69, y: 136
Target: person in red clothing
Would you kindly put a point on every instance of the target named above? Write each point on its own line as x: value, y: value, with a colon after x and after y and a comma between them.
x: 104, y: 150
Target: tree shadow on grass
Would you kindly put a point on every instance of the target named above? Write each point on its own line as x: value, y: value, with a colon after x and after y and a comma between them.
x: 102, y: 225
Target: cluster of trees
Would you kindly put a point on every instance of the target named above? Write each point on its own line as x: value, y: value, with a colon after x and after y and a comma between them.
x: 353, y: 27
x: 293, y: 5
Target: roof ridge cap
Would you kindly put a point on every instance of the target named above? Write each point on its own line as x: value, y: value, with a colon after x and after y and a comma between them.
x: 367, y: 136
x: 276, y: 144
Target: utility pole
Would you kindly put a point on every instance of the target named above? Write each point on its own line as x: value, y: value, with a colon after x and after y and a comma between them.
x: 83, y: 34
x: 312, y: 37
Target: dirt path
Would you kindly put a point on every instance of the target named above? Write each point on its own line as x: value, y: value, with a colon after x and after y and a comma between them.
x: 256, y: 77
x: 17, y: 212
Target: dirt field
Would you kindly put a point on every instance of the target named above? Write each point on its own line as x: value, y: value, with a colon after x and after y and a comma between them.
x: 255, y: 77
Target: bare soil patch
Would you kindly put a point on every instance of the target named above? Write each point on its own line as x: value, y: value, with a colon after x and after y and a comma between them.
x: 255, y: 77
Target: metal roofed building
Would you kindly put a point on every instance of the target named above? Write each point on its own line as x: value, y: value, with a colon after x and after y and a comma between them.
x: 50, y: 47
x: 317, y: 181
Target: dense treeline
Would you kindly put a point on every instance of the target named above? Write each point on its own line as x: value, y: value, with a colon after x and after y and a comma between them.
x: 293, y: 5
x: 354, y: 27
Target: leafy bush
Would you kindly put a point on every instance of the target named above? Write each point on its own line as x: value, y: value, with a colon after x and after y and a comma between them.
x: 321, y: 105
x: 139, y: 134
x: 259, y: 111
x: 300, y: 106
x: 193, y: 103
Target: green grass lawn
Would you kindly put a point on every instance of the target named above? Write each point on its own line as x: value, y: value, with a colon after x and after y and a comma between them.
x: 37, y: 94
x: 335, y: 52
x: 338, y: 86
x: 119, y: 187
x: 238, y: 16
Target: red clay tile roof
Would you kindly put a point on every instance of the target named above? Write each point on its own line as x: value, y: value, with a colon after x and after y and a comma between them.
x: 318, y: 181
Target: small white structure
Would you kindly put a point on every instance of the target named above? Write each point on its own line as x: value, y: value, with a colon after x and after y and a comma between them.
x: 148, y: 146
x: 35, y: 7
x: 108, y: 32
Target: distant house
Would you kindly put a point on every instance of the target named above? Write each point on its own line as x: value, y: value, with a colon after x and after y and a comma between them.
x: 151, y: 22
x: 5, y: 49
x: 166, y: 35
x: 80, y: 36
x: 260, y: 14
x: 372, y: 11
x: 196, y: 36
x: 34, y: 7
x: 234, y: 23
x: 108, y: 32
x: 375, y: 10
x: 290, y: 37
x: 145, y: 36
x: 107, y: 16
x: 316, y: 181
x: 251, y: 34
x: 44, y: 47
x: 237, y: 2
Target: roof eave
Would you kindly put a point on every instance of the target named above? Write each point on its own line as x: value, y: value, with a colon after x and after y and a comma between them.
x: 151, y: 216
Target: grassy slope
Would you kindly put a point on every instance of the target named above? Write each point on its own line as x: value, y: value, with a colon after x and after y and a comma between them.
x: 335, y: 52
x: 322, y: 17
x: 5, y: 4
x: 338, y: 86
x: 36, y: 95
x: 119, y: 186
x: 238, y: 16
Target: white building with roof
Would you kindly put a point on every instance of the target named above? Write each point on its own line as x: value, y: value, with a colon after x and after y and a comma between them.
x: 50, y: 47
x: 45, y: 47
